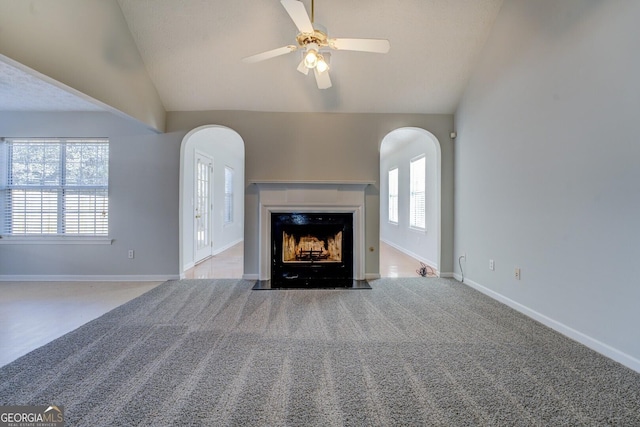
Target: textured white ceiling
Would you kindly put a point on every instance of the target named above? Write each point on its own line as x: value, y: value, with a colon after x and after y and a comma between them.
x: 25, y: 90
x: 193, y: 52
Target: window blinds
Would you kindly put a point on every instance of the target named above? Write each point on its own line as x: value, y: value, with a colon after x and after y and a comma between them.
x: 55, y: 187
x: 417, y: 173
x: 228, y: 195
x: 393, y: 195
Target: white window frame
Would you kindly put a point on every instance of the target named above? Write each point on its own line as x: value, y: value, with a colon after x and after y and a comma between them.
x: 392, y: 181
x: 228, y: 195
x: 417, y: 193
x: 64, y: 190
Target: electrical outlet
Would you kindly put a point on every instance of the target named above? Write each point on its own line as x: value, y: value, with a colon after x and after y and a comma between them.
x: 517, y: 273
x: 492, y: 265
x: 130, y: 254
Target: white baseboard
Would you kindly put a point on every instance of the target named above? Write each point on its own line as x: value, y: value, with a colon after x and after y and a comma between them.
x: 90, y: 278
x: 447, y: 275
x: 189, y: 266
x: 371, y: 276
x: 594, y: 344
x: 412, y: 254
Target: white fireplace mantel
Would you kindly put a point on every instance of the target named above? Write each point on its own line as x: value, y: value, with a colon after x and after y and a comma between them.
x: 312, y: 197
x: 308, y: 182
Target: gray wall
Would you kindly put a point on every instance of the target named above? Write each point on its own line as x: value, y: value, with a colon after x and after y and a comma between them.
x: 143, y: 203
x: 144, y: 181
x: 547, y: 174
x: 280, y: 146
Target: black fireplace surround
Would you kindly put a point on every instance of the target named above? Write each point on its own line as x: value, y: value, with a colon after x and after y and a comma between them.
x: 311, y: 250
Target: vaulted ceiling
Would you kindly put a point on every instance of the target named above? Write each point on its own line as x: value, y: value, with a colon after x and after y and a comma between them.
x: 193, y: 50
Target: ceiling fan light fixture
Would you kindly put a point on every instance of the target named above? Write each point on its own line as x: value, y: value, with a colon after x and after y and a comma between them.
x: 311, y: 56
x: 311, y: 59
x: 303, y: 68
x: 323, y: 64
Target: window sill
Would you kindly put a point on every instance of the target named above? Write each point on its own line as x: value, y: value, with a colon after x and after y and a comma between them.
x: 418, y: 230
x: 57, y: 240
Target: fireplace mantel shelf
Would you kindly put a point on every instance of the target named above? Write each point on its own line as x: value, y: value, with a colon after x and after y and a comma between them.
x: 313, y: 196
x: 311, y: 182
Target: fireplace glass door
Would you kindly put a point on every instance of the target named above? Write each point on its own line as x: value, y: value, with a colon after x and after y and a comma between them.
x: 312, y: 249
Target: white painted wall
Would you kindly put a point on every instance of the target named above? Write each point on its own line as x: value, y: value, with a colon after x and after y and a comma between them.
x: 226, y: 148
x: 547, y: 174
x: 397, y: 150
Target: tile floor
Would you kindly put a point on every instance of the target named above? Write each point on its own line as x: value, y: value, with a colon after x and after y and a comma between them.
x: 394, y: 263
x: 226, y: 265
x: 229, y: 264
x: 35, y: 313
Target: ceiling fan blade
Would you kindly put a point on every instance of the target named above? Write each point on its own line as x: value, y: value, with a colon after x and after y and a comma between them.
x: 362, y: 45
x: 269, y: 54
x: 299, y: 15
x: 322, y: 79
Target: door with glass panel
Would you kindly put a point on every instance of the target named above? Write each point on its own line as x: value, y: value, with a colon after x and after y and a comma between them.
x: 203, y: 207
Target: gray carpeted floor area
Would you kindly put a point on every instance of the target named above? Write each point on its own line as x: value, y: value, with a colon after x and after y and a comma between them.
x: 408, y: 352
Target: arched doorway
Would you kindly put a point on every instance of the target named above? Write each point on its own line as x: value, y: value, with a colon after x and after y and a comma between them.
x: 403, y: 152
x: 211, y: 217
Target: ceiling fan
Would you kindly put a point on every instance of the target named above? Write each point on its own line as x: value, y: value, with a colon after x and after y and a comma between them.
x: 313, y: 41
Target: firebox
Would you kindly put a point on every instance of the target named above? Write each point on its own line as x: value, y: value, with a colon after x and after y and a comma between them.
x: 311, y: 249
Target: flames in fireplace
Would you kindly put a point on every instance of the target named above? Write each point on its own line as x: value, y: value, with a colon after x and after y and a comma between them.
x: 310, y: 248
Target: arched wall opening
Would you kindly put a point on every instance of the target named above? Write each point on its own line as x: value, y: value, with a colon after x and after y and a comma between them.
x: 225, y: 149
x: 397, y: 149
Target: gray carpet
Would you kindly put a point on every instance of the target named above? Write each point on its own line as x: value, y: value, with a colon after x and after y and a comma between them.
x: 419, y: 351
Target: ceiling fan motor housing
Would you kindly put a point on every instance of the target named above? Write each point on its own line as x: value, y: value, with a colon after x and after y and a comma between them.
x: 318, y: 37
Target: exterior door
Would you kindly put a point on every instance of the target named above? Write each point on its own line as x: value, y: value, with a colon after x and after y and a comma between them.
x: 203, y: 207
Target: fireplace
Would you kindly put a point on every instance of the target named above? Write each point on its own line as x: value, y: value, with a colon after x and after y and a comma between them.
x: 312, y: 249
x: 315, y: 199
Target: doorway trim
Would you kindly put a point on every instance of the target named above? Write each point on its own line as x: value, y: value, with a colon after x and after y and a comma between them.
x: 429, y: 138
x: 184, y: 198
x: 198, y: 257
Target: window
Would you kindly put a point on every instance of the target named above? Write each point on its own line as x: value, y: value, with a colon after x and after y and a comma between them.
x: 417, y: 183
x: 393, y: 195
x: 228, y: 195
x: 55, y: 187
